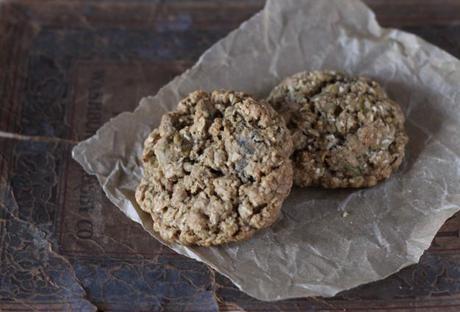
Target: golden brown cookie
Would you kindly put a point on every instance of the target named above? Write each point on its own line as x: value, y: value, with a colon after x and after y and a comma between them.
x: 216, y: 170
x: 346, y: 131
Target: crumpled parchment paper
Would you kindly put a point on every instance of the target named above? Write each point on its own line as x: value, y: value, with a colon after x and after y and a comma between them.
x: 326, y: 241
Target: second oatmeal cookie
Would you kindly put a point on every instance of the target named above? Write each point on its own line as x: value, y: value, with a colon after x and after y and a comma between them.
x: 346, y: 131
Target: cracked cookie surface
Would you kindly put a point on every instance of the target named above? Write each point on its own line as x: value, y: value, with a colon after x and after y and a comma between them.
x: 216, y: 170
x: 346, y: 131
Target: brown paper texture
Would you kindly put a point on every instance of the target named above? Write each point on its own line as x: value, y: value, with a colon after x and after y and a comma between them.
x: 325, y: 241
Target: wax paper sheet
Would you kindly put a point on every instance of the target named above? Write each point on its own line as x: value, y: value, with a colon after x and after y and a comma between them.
x: 325, y: 241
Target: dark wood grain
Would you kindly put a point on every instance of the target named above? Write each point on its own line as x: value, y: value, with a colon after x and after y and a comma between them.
x: 401, y: 13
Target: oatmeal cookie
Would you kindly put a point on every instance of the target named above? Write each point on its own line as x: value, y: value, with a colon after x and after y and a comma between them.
x: 346, y: 131
x: 216, y: 170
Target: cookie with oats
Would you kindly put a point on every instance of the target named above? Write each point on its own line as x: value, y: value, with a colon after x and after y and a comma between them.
x: 216, y: 170
x: 346, y: 131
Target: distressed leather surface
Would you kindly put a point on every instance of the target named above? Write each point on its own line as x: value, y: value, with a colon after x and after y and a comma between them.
x: 66, y: 67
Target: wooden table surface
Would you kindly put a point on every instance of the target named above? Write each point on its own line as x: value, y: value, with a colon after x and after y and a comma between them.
x: 66, y: 67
